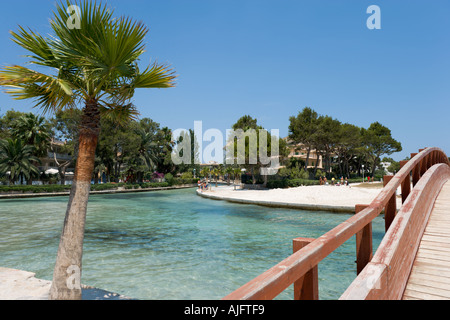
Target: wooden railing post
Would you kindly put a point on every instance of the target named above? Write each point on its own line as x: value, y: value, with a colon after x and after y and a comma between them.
x: 423, y: 164
x: 307, y: 287
x: 415, y: 172
x: 391, y: 206
x: 406, y: 184
x: 364, y: 249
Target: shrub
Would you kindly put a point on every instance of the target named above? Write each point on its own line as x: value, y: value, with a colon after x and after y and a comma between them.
x: 35, y: 189
x: 169, y: 178
x: 187, y: 176
x: 104, y: 186
x: 291, y: 183
x: 154, y: 185
x: 277, y: 184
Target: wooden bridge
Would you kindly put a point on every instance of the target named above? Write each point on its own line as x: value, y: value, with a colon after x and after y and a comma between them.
x: 411, y: 262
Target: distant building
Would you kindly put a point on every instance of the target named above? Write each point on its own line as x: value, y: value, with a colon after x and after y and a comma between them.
x: 299, y: 151
x: 210, y: 163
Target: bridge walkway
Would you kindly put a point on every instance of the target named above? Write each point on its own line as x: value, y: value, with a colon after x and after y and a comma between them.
x: 430, y: 274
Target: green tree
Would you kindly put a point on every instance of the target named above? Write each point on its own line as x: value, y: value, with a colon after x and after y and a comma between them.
x: 248, y: 125
x: 245, y: 123
x: 204, y: 172
x: 394, y: 166
x: 237, y: 174
x: 7, y: 121
x: 165, y: 145
x: 194, y: 150
x: 16, y: 157
x: 302, y: 129
x: 118, y: 147
x: 148, y: 151
x: 66, y: 125
x: 379, y: 141
x: 349, y: 140
x: 216, y: 173
x: 33, y: 130
x: 96, y: 64
x: 325, y: 139
x: 229, y: 171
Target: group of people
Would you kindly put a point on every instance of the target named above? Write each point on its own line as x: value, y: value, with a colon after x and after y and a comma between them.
x: 203, y: 185
x: 343, y: 182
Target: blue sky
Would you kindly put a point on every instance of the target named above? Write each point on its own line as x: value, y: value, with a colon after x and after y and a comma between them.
x: 269, y: 59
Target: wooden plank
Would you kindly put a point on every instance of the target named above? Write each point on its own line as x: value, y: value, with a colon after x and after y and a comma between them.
x: 434, y: 262
x: 435, y: 245
x: 437, y: 233
x: 439, y: 228
x: 436, y: 238
x: 410, y: 298
x: 430, y: 271
x: 430, y: 263
x: 429, y: 278
x: 422, y: 296
x: 428, y: 290
x: 443, y: 255
x: 433, y: 255
x: 430, y: 275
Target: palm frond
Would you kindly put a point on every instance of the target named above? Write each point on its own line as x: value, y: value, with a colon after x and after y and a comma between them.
x: 51, y: 93
x: 119, y: 114
x: 98, y: 61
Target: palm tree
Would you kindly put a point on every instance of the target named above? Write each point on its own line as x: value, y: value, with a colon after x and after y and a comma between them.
x: 204, y: 172
x: 16, y: 158
x: 148, y: 148
x: 229, y: 172
x: 216, y: 173
x: 95, y: 65
x: 237, y: 172
x: 34, y: 131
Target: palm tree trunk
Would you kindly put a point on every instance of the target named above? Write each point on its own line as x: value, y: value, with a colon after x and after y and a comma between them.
x: 66, y: 283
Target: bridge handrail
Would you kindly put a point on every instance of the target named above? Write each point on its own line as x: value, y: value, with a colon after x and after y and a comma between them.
x: 275, y: 280
x: 386, y: 275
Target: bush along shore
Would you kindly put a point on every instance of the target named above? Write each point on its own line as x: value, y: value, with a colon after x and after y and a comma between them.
x: 56, y: 188
x: 293, y: 183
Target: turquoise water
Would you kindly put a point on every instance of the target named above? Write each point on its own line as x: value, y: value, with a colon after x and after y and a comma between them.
x: 172, y: 244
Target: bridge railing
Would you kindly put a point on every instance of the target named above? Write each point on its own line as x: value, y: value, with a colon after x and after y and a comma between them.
x: 386, y: 275
x: 301, y: 267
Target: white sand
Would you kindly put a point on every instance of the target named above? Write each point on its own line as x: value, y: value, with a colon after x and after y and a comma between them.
x: 343, y: 197
x: 23, y: 285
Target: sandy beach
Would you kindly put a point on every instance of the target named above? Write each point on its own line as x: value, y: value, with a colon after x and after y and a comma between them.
x: 329, y: 198
x: 23, y: 285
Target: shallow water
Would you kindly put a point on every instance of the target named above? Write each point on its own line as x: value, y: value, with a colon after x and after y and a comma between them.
x: 172, y: 244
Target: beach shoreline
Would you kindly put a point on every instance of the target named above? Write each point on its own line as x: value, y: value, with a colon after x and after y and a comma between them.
x: 339, y: 199
x: 111, y: 191
x: 23, y: 285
